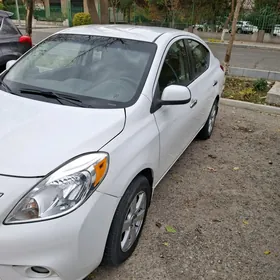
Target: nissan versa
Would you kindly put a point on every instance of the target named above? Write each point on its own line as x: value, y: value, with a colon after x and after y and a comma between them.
x: 91, y: 119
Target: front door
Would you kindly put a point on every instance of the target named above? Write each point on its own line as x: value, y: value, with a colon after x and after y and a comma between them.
x: 174, y: 121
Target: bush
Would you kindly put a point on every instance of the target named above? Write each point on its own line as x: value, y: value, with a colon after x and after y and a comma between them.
x: 1, y: 6
x: 81, y: 19
x: 260, y: 85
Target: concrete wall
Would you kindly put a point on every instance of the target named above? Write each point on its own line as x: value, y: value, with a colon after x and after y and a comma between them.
x: 239, y: 37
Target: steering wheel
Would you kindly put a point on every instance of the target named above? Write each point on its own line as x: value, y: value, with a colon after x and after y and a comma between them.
x: 126, y: 90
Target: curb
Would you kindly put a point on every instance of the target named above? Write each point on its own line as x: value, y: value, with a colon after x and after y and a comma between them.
x: 250, y: 106
x: 245, y: 46
x: 254, y: 73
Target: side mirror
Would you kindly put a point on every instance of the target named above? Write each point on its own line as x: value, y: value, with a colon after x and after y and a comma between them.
x: 10, y: 63
x: 175, y: 95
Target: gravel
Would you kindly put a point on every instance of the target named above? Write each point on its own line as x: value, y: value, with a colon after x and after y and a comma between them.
x: 223, y: 199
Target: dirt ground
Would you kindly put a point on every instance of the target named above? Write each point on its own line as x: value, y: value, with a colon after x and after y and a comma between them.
x: 223, y: 199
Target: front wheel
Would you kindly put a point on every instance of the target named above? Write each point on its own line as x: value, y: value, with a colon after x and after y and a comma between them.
x: 128, y: 222
x: 206, y: 132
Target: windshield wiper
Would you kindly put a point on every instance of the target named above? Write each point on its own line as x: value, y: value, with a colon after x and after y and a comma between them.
x: 59, y: 97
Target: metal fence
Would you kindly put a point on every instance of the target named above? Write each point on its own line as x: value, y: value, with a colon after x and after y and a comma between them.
x: 249, y: 21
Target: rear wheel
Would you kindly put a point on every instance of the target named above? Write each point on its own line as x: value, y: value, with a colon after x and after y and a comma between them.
x: 206, y: 132
x: 128, y: 222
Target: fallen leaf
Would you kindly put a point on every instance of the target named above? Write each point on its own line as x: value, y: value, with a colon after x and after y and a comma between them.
x: 166, y: 244
x: 212, y: 156
x: 211, y: 169
x: 170, y: 229
x: 245, y: 222
x: 216, y: 221
x: 158, y: 224
x: 236, y: 168
x: 267, y: 252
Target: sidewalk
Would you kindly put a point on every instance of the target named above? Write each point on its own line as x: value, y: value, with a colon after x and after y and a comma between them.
x: 39, y: 24
x: 243, y: 44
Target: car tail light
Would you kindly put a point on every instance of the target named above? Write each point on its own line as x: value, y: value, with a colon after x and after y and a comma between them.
x: 25, y: 39
x: 222, y: 67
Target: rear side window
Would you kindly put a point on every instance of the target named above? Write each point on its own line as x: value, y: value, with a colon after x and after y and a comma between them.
x: 7, y: 27
x: 200, y: 56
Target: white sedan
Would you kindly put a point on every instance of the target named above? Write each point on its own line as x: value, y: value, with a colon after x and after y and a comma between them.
x: 92, y: 118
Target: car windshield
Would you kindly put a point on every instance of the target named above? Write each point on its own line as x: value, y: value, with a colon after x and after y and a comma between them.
x: 99, y: 71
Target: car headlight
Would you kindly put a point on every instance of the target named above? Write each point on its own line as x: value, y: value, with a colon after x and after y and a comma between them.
x: 62, y: 191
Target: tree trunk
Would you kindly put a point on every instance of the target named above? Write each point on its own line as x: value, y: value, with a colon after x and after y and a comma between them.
x: 92, y: 11
x: 29, y: 17
x: 232, y: 35
x: 225, y: 27
x: 114, y: 14
x: 104, y: 11
x: 128, y: 14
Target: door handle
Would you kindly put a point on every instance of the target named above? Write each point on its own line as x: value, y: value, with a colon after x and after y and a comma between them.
x: 193, y: 103
x: 215, y: 83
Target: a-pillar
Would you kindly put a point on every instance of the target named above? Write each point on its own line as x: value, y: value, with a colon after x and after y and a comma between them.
x: 47, y: 8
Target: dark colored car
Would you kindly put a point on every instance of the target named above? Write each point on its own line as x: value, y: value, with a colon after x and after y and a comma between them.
x: 12, y: 43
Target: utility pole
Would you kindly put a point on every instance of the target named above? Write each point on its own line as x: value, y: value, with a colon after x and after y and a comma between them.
x: 232, y: 35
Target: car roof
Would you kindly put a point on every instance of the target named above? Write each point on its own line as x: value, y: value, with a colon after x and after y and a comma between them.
x: 133, y: 32
x: 5, y: 14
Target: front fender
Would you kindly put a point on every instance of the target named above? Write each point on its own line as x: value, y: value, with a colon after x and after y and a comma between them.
x: 134, y: 150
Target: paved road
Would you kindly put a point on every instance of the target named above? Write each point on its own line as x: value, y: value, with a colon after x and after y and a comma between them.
x: 253, y: 58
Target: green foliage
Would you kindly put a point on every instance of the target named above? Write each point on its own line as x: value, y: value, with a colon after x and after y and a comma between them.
x: 260, y: 85
x: 244, y: 90
x: 264, y: 18
x: 1, y: 6
x: 260, y: 4
x: 81, y: 19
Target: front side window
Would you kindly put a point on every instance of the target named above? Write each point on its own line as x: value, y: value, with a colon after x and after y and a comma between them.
x: 100, y: 71
x: 200, y: 56
x: 175, y: 67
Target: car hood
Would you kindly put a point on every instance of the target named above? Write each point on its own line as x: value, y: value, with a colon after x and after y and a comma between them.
x: 36, y: 137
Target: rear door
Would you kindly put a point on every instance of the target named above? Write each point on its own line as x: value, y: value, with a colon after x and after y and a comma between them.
x: 205, y: 81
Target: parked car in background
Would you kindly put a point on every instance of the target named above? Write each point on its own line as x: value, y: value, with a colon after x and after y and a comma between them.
x: 93, y: 118
x: 12, y: 43
x: 245, y: 27
x: 208, y: 28
x: 276, y: 30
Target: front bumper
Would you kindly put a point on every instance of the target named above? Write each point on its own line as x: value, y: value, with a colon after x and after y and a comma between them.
x: 70, y: 247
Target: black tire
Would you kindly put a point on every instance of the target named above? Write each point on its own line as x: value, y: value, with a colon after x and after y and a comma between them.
x: 239, y: 31
x: 205, y: 133
x: 113, y: 254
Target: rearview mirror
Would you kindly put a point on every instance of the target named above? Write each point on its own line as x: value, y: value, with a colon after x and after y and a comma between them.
x: 10, y: 63
x: 175, y: 95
